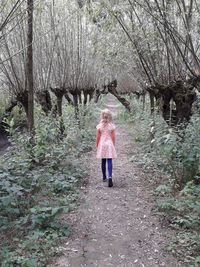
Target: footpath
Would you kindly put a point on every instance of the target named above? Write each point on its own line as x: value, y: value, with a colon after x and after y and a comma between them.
x: 117, y: 226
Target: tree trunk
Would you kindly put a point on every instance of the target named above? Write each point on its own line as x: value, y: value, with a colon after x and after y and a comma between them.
x: 29, y: 66
x: 22, y: 98
x: 85, y: 98
x: 90, y: 92
x: 151, y: 102
x: 79, y: 98
x: 59, y: 105
x: 113, y: 91
x: 91, y: 96
x: 166, y: 107
x: 75, y: 99
x: 13, y: 103
x: 44, y: 99
x: 143, y: 102
x: 182, y: 93
x: 97, y: 95
x: 183, y: 110
x: 59, y: 93
x: 68, y: 98
x: 183, y: 96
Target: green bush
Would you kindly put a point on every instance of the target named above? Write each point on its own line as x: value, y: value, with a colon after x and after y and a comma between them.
x: 38, y: 182
x: 174, y: 152
x: 3, y: 104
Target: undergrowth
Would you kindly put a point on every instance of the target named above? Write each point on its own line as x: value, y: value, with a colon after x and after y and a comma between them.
x: 174, y: 154
x: 38, y: 183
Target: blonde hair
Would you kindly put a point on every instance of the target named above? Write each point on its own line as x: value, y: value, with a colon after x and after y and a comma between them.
x: 106, y: 113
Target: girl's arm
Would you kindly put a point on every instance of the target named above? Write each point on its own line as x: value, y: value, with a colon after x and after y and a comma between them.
x: 98, y: 135
x: 113, y: 137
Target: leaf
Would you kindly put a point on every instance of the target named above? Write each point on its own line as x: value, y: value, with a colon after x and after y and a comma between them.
x: 56, y: 211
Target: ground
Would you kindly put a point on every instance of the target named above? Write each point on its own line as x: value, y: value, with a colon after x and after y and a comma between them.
x: 117, y: 226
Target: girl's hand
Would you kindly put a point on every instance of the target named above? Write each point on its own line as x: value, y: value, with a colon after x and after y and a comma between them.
x: 98, y: 135
x: 113, y: 136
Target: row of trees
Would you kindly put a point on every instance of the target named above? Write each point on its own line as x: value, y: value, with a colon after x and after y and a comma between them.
x: 81, y: 47
x: 48, y: 50
x: 160, y: 50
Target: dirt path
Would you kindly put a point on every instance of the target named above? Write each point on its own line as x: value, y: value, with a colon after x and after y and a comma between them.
x: 116, y: 226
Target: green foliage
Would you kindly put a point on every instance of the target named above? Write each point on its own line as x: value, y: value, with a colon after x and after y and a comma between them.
x: 41, y: 217
x: 162, y: 190
x: 166, y: 205
x: 2, y: 104
x: 175, y: 150
x: 175, y: 153
x: 38, y: 182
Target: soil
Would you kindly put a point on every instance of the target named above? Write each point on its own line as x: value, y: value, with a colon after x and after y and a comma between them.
x: 117, y: 226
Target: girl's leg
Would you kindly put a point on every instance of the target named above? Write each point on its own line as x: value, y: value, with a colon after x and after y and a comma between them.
x: 110, y: 183
x: 103, y: 168
x: 109, y: 167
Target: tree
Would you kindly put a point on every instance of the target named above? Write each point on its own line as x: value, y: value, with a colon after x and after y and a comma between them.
x: 30, y: 66
x: 165, y: 54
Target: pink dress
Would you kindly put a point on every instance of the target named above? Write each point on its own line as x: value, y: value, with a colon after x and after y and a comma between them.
x: 106, y: 148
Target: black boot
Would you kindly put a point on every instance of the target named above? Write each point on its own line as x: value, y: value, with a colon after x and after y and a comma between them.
x: 110, y: 183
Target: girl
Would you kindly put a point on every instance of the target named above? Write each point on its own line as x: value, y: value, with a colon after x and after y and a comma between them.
x: 105, y: 143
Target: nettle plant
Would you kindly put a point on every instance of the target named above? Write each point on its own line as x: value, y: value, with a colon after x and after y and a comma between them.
x: 190, y: 151
x: 38, y: 181
x: 179, y: 149
x: 176, y: 152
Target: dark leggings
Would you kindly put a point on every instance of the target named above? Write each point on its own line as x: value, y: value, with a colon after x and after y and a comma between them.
x: 103, y: 167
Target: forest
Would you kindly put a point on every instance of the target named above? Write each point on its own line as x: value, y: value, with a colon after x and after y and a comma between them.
x: 63, y: 61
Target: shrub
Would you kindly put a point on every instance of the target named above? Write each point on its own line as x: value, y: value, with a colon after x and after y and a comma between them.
x: 38, y: 182
x: 176, y: 153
